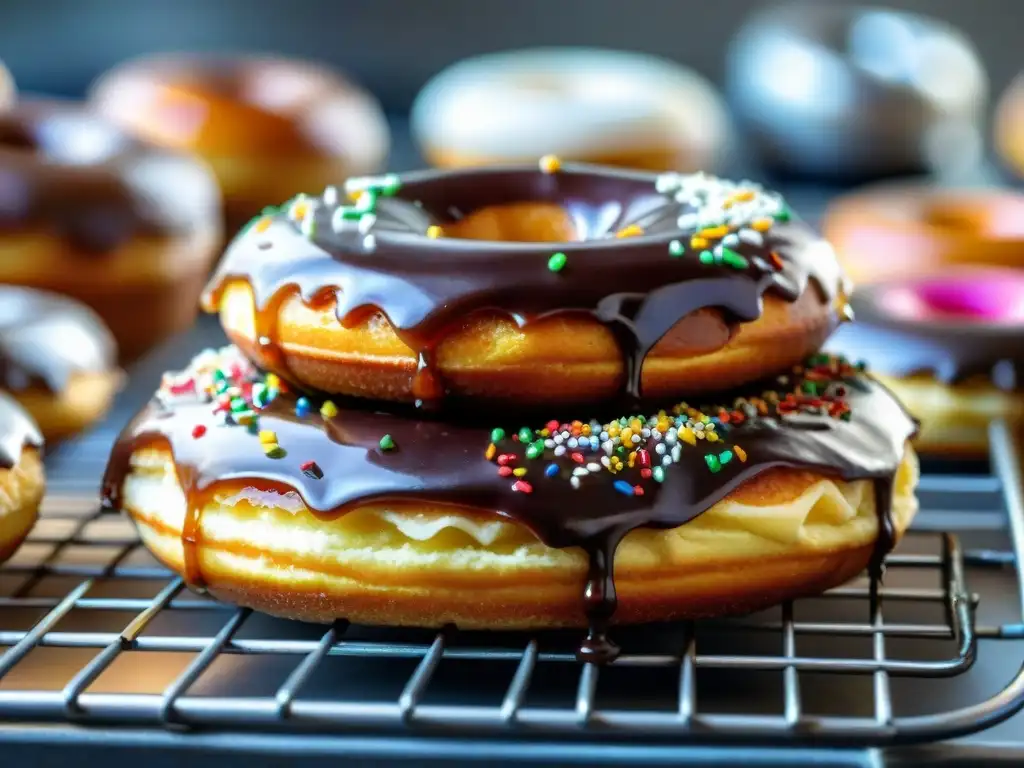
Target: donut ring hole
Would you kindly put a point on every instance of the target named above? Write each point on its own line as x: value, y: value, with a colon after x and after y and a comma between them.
x: 525, y: 222
x: 1001, y: 217
x: 996, y: 297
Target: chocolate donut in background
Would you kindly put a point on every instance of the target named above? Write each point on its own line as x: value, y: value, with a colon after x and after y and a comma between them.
x: 22, y: 481
x: 589, y: 105
x: 7, y: 92
x: 950, y: 345
x: 907, y: 230
x: 269, y: 127
x: 853, y: 92
x: 1009, y: 126
x: 87, y: 211
x: 57, y: 358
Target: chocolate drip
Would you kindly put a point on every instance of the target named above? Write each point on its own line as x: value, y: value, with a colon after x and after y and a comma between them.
x: 444, y: 462
x: 81, y: 178
x: 426, y: 287
x: 952, y: 352
x: 45, y: 339
x: 16, y: 431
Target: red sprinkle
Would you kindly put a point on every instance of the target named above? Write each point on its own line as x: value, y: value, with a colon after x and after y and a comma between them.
x: 307, y: 465
x: 638, y: 491
x: 551, y: 426
x: 645, y: 473
x: 522, y: 486
x: 198, y: 431
x: 505, y: 471
x: 184, y: 387
x: 506, y: 458
x: 643, y: 457
x: 578, y: 457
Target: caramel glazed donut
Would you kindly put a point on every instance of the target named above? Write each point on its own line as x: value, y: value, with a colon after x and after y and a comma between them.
x: 316, y: 508
x: 592, y: 105
x: 57, y: 359
x: 931, y: 228
x: 268, y: 127
x: 950, y: 346
x: 21, y: 475
x: 128, y: 229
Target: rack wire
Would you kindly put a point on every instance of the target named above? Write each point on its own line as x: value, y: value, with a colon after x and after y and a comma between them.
x: 97, y: 633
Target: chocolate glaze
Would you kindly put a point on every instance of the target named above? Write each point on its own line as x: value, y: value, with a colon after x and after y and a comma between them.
x: 16, y: 431
x: 426, y: 286
x: 444, y: 462
x: 72, y: 173
x: 949, y: 350
x: 46, y: 338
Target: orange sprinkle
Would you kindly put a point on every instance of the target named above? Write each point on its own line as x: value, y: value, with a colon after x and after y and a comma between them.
x: 631, y: 231
x: 263, y: 224
x: 745, y: 195
x: 715, y: 233
x: 776, y: 260
x: 550, y: 164
x: 299, y: 211
x: 761, y: 225
x: 491, y: 450
x: 434, y: 231
x: 740, y: 453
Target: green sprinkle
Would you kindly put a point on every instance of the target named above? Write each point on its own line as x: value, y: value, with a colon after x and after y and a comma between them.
x: 707, y: 257
x: 658, y: 473
x: 308, y: 226
x: 387, y: 443
x: 533, y: 450
x: 733, y: 259
x: 525, y: 435
x: 367, y: 201
x: 219, y: 375
x: 557, y: 262
x: 497, y: 435
x: 845, y: 416
x: 253, y: 427
x: 809, y: 387
x: 277, y: 452
x: 351, y: 213
x: 390, y: 185
x: 725, y: 457
x: 270, y: 210
x: 713, y: 462
x: 784, y: 213
x: 238, y: 405
x: 676, y: 249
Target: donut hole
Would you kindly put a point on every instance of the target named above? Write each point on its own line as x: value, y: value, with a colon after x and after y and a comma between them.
x: 526, y: 222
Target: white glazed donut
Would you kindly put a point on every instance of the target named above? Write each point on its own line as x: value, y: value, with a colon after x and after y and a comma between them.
x: 600, y: 106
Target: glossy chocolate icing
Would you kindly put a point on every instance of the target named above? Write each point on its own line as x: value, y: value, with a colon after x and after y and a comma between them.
x: 424, y: 286
x: 16, y: 431
x: 948, y: 349
x: 77, y: 176
x: 836, y: 421
x: 45, y: 339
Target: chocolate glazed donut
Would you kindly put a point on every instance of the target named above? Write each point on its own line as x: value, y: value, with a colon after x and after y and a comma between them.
x: 702, y: 283
x: 86, y: 211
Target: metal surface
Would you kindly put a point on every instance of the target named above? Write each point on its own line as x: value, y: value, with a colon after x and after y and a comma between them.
x: 101, y: 649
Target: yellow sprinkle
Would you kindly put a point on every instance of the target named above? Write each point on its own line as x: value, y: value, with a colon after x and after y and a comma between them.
x: 627, y: 435
x: 636, y: 425
x: 715, y: 232
x: 519, y: 471
x: 434, y: 231
x: 268, y: 436
x: 662, y: 426
x: 613, y: 429
x: 263, y: 224
x: 631, y: 231
x: 687, y: 436
x: 492, y: 449
x: 585, y: 430
x: 632, y: 459
x: 299, y: 211
x: 272, y: 381
x: 711, y: 436
x: 698, y: 242
x: 740, y: 453
x: 550, y: 164
x: 745, y: 195
x: 328, y: 410
x: 761, y: 224
x: 245, y: 418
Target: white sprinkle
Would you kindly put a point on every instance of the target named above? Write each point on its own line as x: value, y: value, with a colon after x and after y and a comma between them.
x: 366, y: 222
x: 603, y: 436
x: 369, y: 243
x: 608, y: 446
x: 731, y: 240
x: 574, y: 482
x: 338, y: 221
x: 593, y: 466
x: 331, y: 195
x: 559, y: 450
x: 549, y: 443
x: 605, y: 461
x: 558, y: 438
x: 656, y: 434
x: 636, y: 439
x: 671, y: 438
x: 645, y: 432
x: 572, y: 442
x: 581, y: 472
x: 751, y: 236
x: 677, y: 451
x: 666, y: 460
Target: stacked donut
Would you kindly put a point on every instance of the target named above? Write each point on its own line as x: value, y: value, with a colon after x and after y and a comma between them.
x: 540, y: 396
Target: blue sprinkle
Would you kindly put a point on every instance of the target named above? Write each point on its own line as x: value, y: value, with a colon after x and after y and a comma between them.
x: 551, y: 470
x: 623, y: 487
x: 594, y: 443
x: 302, y: 407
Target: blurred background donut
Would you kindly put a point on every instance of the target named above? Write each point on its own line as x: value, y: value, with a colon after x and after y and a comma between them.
x: 269, y: 127
x: 843, y: 91
x: 87, y: 211
x: 6, y: 87
x: 1009, y: 126
x: 598, y: 106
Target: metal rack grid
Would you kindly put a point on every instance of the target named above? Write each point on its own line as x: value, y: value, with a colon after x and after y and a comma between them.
x: 94, y: 557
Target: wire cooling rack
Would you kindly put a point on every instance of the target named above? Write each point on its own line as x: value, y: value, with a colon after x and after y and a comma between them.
x: 95, y: 632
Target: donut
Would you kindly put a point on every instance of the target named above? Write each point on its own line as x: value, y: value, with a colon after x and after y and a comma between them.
x: 899, y: 231
x: 21, y: 475
x: 1009, y: 126
x: 528, y: 285
x: 122, y: 226
x: 950, y: 346
x: 57, y: 359
x: 7, y: 92
x: 589, y: 105
x: 269, y: 127
x: 318, y: 510
x: 846, y: 92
